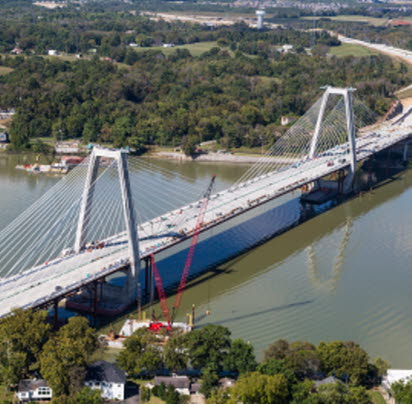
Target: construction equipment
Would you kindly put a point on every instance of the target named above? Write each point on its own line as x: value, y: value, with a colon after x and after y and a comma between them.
x: 154, y: 326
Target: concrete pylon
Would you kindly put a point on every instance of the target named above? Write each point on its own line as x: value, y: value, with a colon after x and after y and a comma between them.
x: 346, y: 93
x: 128, y: 210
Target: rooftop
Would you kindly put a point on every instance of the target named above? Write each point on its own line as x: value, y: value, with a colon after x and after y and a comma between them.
x: 31, y: 384
x: 102, y: 371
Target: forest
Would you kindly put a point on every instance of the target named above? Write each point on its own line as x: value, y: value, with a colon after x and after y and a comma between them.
x: 235, y: 93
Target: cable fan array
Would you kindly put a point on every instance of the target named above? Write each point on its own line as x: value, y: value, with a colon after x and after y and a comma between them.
x: 49, y: 225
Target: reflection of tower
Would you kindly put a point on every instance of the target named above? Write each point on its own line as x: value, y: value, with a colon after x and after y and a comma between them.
x: 337, y: 264
x: 260, y: 14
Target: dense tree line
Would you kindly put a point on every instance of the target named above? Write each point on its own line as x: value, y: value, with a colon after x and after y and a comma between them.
x: 169, y: 100
x: 287, y: 373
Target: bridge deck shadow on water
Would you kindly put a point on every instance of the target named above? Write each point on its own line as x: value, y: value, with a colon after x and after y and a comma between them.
x: 290, y: 244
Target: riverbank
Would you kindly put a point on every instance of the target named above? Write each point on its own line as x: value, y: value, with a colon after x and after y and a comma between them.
x: 218, y: 157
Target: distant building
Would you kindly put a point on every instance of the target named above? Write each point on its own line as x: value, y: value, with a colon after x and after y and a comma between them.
x: 134, y: 45
x: 286, y: 48
x: 52, y: 52
x: 169, y: 45
x: 7, y: 113
x: 226, y: 383
x: 67, y: 147
x: 260, y: 15
x: 16, y: 51
x: 4, y: 138
x: 33, y: 390
x: 108, y: 378
x: 287, y: 120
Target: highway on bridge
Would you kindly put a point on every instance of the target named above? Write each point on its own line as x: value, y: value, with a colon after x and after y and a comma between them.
x: 58, y: 277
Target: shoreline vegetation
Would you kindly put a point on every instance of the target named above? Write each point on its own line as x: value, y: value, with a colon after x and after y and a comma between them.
x: 144, y: 82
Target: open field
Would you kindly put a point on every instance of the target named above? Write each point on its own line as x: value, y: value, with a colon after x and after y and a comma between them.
x: 347, y: 49
x: 195, y: 49
x: 354, y: 18
x: 5, y: 70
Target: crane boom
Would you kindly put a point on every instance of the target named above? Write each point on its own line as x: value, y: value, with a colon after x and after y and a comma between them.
x: 193, y: 244
x: 186, y: 269
x: 161, y: 292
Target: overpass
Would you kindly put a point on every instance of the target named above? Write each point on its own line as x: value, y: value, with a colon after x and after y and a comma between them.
x: 315, y: 157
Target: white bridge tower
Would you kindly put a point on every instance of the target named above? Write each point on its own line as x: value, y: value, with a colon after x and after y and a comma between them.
x: 128, y: 210
x: 346, y: 93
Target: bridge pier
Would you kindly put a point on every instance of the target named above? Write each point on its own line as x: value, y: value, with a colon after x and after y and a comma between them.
x: 405, y: 152
x: 55, y: 314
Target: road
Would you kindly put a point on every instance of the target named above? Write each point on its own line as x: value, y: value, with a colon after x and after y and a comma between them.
x: 60, y: 276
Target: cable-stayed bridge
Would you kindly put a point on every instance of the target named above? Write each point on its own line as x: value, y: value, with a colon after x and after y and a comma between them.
x: 111, y: 213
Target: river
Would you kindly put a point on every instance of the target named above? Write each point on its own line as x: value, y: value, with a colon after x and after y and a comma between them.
x: 345, y: 274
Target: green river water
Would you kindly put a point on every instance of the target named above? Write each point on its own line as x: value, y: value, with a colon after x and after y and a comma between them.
x: 345, y: 274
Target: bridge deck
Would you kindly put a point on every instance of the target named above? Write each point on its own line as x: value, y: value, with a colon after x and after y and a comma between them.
x: 63, y: 275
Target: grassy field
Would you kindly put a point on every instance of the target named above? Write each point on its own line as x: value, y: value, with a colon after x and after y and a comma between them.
x: 348, y: 49
x: 195, y: 49
x: 5, y: 70
x: 354, y: 18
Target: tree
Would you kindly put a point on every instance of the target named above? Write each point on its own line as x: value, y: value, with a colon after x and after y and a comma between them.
x: 144, y: 394
x: 402, y: 392
x: 277, y: 366
x: 299, y: 357
x: 382, y: 366
x: 23, y: 335
x: 277, y: 350
x: 89, y: 396
x: 344, y: 359
x: 64, y: 356
x: 175, y: 354
x: 256, y: 388
x: 210, y: 379
x: 240, y: 358
x: 208, y: 346
x: 189, y: 145
x: 140, y: 354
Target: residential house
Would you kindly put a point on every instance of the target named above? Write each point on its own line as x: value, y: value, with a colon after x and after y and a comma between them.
x: 33, y: 390
x: 180, y: 383
x: 226, y: 383
x: 327, y: 380
x: 4, y: 137
x: 108, y: 378
x: 16, y: 51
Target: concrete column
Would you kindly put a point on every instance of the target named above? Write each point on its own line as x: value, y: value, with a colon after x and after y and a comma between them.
x: 405, y: 152
x: 87, y: 200
x: 350, y: 127
x: 131, y: 225
x: 314, y: 143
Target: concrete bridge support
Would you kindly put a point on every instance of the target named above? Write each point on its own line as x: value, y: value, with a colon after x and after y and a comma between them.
x: 129, y: 294
x: 346, y: 93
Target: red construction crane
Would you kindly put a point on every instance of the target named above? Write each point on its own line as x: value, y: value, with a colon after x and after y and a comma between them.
x: 156, y: 326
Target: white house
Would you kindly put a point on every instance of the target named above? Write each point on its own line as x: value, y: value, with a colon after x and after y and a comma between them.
x: 33, y: 390
x: 108, y: 378
x: 52, y: 52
